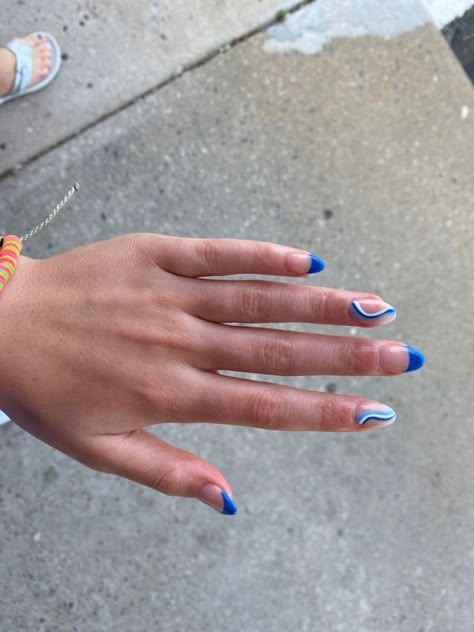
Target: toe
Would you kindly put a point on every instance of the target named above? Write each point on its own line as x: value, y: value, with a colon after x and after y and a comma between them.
x: 34, y: 39
x: 43, y: 48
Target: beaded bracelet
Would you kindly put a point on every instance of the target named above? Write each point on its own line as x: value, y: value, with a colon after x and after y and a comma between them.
x: 10, y: 248
x: 11, y: 245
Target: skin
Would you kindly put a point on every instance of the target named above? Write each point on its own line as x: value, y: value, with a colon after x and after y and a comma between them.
x: 107, y: 339
x: 41, y: 62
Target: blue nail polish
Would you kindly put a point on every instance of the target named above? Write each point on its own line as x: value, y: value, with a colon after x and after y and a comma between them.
x: 386, y: 416
x: 317, y: 264
x: 229, y: 508
x: 415, y: 359
x: 357, y: 308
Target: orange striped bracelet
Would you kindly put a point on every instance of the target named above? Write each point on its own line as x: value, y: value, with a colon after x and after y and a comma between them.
x: 10, y: 248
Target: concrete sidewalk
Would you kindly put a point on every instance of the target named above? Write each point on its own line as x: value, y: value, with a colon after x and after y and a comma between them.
x: 114, y: 52
x: 117, y: 52
x: 361, y: 153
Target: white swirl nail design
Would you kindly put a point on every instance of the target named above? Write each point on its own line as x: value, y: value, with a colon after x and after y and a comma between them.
x: 377, y: 415
x: 360, y: 312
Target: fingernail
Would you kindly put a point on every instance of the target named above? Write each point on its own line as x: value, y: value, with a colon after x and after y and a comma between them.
x: 417, y: 359
x: 304, y: 263
x: 374, y: 415
x: 399, y: 358
x: 218, y: 499
x: 373, y: 310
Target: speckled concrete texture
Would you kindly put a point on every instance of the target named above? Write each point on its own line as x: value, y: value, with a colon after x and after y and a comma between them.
x: 362, y: 154
x: 113, y: 52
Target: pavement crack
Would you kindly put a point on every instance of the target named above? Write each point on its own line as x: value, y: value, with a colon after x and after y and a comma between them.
x: 186, y: 68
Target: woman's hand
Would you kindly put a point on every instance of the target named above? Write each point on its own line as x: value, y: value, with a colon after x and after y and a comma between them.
x: 109, y: 338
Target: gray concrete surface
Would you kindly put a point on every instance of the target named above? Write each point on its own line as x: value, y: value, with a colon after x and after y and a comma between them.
x: 362, y: 154
x: 114, y: 52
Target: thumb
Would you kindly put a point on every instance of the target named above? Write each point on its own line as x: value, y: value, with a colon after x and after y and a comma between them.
x: 148, y: 460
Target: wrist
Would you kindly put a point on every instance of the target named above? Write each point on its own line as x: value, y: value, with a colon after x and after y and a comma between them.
x: 15, y: 300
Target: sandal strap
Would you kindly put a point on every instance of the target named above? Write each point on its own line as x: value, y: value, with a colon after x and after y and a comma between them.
x: 24, y: 63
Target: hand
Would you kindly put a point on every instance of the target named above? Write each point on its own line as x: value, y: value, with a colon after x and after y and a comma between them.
x: 109, y: 338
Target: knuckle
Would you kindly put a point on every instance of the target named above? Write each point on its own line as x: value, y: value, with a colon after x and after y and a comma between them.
x: 265, y: 408
x: 322, y: 305
x: 255, y: 304
x: 145, y: 246
x: 137, y: 248
x: 329, y: 413
x: 348, y: 358
x: 189, y: 343
x: 168, y: 481
x: 357, y: 359
x: 278, y: 354
x: 210, y: 253
x: 183, y: 338
x: 260, y: 255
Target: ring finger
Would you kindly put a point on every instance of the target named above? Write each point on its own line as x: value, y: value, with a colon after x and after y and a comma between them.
x: 243, y: 402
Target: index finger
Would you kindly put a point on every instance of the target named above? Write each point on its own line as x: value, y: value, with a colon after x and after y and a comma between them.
x: 191, y: 257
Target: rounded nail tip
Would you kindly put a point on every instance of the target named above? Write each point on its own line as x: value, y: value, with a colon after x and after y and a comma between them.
x: 415, y: 359
x: 229, y: 508
x: 317, y: 264
x: 214, y: 496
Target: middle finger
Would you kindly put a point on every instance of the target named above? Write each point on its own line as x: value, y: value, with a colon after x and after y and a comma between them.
x: 280, y: 352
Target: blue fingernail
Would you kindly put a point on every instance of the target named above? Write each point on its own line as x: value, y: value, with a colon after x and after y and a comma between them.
x: 374, y: 310
x: 415, y: 359
x: 229, y: 508
x: 317, y: 264
x: 374, y: 414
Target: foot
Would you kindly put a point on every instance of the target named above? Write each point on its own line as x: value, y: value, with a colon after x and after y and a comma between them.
x: 42, y: 62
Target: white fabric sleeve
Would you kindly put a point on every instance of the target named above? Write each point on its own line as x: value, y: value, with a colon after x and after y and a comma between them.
x: 3, y: 418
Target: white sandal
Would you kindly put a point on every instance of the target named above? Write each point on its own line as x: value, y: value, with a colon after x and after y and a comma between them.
x: 24, y: 62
